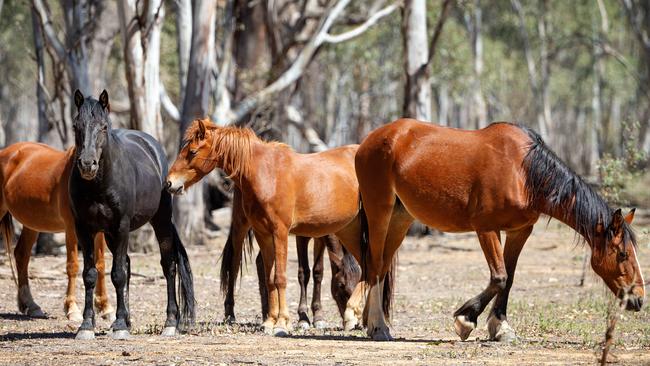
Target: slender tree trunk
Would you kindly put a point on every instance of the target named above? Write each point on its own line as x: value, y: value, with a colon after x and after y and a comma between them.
x: 190, y: 208
x: 473, y: 22
x: 184, y: 33
x: 141, y: 42
x: 417, y: 93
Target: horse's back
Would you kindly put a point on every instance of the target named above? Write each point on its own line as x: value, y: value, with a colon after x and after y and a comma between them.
x: 143, y: 151
x: 326, y: 190
x: 448, y: 177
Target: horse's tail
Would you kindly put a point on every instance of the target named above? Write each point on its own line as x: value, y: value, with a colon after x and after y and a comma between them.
x: 364, y: 240
x: 7, y: 228
x: 186, y: 283
x: 350, y: 267
x: 389, y: 287
x: 227, y: 256
x: 389, y: 279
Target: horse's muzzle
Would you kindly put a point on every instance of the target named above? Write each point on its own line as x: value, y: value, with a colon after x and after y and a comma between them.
x: 88, y: 169
x: 174, y: 189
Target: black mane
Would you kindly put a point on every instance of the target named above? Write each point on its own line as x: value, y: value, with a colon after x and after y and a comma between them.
x: 552, y: 188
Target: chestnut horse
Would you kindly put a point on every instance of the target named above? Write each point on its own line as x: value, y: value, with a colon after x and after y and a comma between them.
x: 34, y: 179
x: 346, y: 273
x: 282, y: 192
x: 500, y: 178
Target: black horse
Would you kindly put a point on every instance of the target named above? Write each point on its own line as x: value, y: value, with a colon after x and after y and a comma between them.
x: 117, y: 188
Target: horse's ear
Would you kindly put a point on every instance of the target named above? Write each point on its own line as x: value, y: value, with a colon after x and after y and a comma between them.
x: 200, y: 134
x: 630, y: 216
x: 103, y: 100
x: 78, y: 98
x: 617, y: 220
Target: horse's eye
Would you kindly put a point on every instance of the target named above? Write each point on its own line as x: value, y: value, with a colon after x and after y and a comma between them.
x: 622, y: 256
x: 192, y: 153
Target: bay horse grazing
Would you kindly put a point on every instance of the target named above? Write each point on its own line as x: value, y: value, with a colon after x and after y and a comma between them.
x: 282, y: 192
x: 118, y: 186
x: 500, y: 178
x: 346, y: 273
x: 34, y: 182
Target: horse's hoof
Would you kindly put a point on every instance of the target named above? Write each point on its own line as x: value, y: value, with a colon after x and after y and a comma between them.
x: 320, y: 324
x: 280, y: 332
x: 500, y: 331
x: 75, y: 316
x: 229, y: 320
x: 350, y: 320
x: 463, y: 327
x: 36, y: 312
x: 381, y: 334
x: 168, y: 332
x: 85, y: 335
x: 108, y: 314
x: 267, y: 329
x: 304, y: 325
x: 120, y: 334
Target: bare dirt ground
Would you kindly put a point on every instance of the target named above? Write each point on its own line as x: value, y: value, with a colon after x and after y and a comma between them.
x: 557, y: 321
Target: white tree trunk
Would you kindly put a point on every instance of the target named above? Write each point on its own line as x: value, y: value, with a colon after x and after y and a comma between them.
x: 142, y: 62
x: 184, y: 33
x: 417, y: 98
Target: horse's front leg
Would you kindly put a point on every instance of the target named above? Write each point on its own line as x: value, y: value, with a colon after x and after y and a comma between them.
x: 118, y: 243
x: 266, y: 258
x: 467, y: 315
x: 498, y: 326
x: 280, y: 238
x: 87, y: 328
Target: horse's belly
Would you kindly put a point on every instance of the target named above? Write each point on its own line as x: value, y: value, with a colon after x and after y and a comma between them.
x: 38, y: 213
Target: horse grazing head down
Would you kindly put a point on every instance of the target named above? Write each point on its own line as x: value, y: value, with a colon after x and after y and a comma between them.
x: 91, y: 126
x: 207, y: 146
x: 613, y: 258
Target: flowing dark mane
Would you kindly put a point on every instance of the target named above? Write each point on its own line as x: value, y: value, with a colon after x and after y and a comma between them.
x: 554, y: 188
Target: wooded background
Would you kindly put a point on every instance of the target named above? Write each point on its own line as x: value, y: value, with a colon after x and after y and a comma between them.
x: 322, y: 73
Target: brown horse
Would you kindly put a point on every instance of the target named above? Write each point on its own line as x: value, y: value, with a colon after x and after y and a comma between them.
x: 34, y: 179
x: 500, y: 178
x: 346, y: 273
x: 282, y: 192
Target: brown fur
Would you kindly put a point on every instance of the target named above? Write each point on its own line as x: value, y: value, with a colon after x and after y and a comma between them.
x: 458, y: 181
x: 282, y: 192
x: 34, y: 182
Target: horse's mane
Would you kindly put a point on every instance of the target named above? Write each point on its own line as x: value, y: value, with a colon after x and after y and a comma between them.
x: 231, y: 145
x: 552, y: 185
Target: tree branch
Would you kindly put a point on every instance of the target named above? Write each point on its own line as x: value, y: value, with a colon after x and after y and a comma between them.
x: 295, y: 71
x: 294, y: 117
x: 374, y: 18
x: 168, y: 106
x: 48, y: 30
x: 438, y: 30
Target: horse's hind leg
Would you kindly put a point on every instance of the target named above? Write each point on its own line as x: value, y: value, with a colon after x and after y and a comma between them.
x: 467, y: 315
x: 498, y: 327
x: 316, y: 307
x: 302, y: 247
x: 22, y: 253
